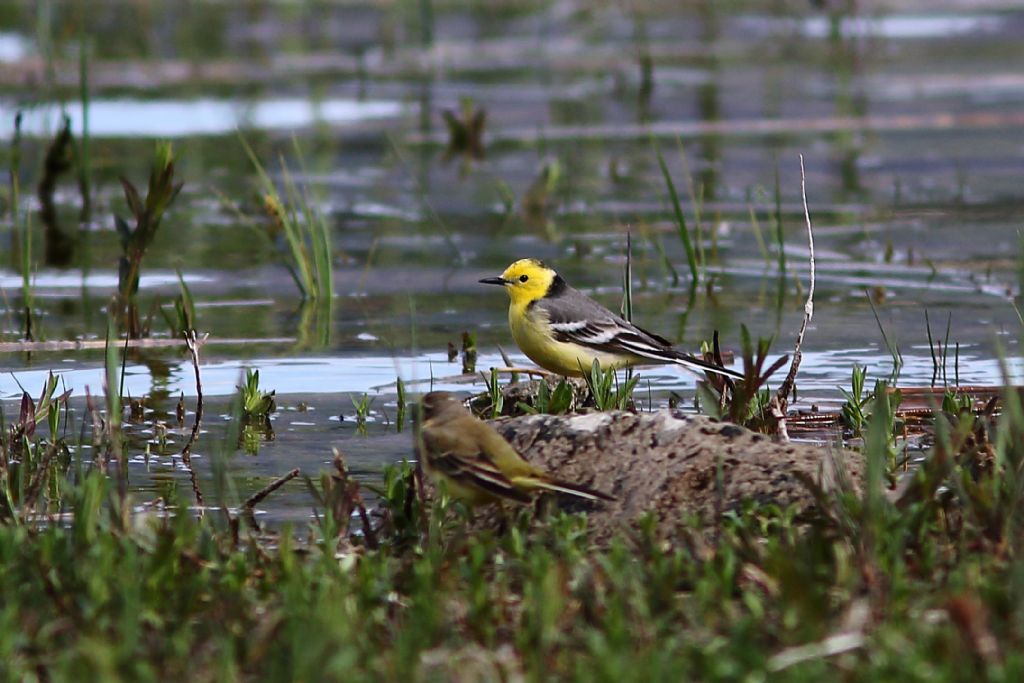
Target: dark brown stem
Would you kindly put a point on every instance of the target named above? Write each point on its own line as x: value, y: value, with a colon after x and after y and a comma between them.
x: 35, y: 484
x: 193, y: 344
x: 256, y: 498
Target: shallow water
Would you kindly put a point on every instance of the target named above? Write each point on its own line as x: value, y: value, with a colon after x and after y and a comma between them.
x: 909, y: 123
x: 176, y: 119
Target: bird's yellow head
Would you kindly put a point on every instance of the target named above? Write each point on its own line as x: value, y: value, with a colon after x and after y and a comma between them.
x: 527, y: 280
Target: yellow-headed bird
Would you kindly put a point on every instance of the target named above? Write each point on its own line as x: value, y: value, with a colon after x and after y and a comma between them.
x: 476, y: 463
x: 564, y: 331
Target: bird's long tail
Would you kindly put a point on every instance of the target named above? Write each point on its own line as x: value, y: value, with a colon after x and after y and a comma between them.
x: 569, y: 488
x: 700, y: 365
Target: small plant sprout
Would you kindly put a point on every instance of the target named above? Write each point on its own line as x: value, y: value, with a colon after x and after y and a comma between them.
x: 30, y: 466
x: 853, y: 413
x: 956, y: 404
x: 497, y: 397
x: 551, y: 402
x: 362, y: 406
x: 469, y: 353
x: 255, y: 402
x: 184, y: 317
x: 605, y: 389
x: 880, y: 439
x: 400, y: 418
x: 257, y: 406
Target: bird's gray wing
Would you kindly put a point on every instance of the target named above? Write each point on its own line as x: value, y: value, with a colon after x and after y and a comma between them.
x: 576, y: 318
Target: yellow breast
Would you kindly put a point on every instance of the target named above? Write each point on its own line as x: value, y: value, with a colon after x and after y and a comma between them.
x: 533, y: 336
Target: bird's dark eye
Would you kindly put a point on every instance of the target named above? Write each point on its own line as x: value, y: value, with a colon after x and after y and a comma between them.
x: 524, y: 278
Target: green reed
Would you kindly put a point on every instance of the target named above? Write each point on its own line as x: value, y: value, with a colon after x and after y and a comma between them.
x: 309, y: 254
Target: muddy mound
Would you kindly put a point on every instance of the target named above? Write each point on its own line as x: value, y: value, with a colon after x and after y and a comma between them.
x: 674, y: 466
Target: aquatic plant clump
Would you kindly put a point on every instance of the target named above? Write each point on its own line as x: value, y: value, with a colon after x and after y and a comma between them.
x: 148, y: 214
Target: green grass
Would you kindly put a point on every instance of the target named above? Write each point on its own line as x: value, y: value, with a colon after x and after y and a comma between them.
x: 497, y: 396
x: 605, y: 390
x: 762, y: 598
x: 892, y: 346
x: 183, y: 319
x: 684, y: 233
x: 923, y: 583
x: 549, y: 401
x: 402, y: 400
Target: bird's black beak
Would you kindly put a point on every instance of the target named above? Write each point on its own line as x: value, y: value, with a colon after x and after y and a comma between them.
x: 494, y: 281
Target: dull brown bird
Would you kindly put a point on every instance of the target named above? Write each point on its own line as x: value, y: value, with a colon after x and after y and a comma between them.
x: 476, y: 463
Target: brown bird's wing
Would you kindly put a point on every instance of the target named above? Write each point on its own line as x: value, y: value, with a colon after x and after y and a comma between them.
x: 478, y: 472
x: 454, y: 454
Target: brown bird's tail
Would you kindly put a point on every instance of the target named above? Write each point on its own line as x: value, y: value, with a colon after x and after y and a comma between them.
x: 574, y: 489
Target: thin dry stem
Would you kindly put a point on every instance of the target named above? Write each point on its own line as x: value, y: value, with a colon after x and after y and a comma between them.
x: 256, y: 498
x: 36, y: 483
x: 193, y: 344
x: 353, y: 487
x: 780, y: 419
x: 782, y: 395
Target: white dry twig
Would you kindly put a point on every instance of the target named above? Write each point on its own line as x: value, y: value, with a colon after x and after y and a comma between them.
x: 833, y: 645
x: 782, y: 395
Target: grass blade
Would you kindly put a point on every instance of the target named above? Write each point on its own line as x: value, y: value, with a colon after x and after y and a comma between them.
x: 684, y: 234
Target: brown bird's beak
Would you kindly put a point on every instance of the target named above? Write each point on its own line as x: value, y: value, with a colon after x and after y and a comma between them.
x: 494, y: 281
